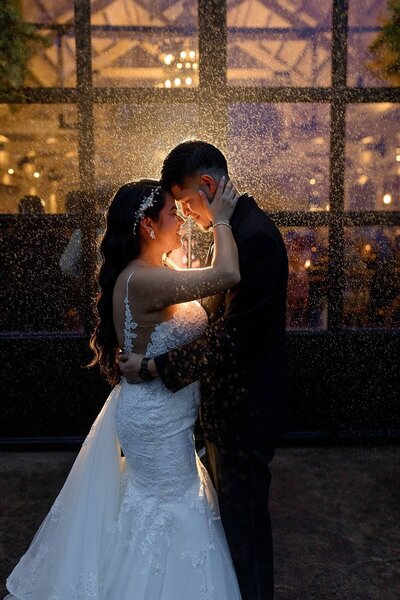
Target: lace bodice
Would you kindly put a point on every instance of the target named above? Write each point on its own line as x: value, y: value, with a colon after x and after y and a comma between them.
x: 154, y: 425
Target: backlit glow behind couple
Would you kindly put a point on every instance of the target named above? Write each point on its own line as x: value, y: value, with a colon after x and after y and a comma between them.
x: 155, y: 524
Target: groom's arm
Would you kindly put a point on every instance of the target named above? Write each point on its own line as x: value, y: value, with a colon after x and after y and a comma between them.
x: 232, y: 336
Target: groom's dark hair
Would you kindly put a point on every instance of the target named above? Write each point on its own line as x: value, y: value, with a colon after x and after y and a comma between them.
x: 189, y: 157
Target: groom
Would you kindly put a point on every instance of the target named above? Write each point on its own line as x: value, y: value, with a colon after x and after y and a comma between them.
x: 240, y: 361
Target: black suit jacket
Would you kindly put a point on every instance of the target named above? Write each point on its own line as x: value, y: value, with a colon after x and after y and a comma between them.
x: 241, y: 358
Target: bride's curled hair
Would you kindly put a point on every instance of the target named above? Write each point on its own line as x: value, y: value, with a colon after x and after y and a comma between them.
x: 119, y: 245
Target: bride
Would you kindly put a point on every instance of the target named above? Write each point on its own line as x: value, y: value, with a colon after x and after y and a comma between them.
x: 145, y: 526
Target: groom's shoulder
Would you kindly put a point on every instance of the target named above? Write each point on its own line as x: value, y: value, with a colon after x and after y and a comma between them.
x: 256, y: 222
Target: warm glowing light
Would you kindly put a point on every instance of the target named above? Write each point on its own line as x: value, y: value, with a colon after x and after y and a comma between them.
x: 177, y: 81
x: 387, y: 198
x: 188, y: 65
x: 367, y: 247
x: 4, y: 139
x: 11, y: 171
x: 327, y: 207
x: 188, y: 81
x: 362, y: 180
x: 51, y: 140
x: 179, y: 65
x: 168, y: 83
x: 195, y: 65
x: 312, y: 181
x: 368, y: 140
x: 307, y: 264
x: 168, y: 58
x: 313, y: 248
x: 36, y: 174
x: 398, y: 158
x: 319, y: 141
x: 192, y: 54
x: 183, y: 55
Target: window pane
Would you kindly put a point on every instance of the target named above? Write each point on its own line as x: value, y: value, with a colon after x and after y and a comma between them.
x: 373, y: 157
x: 40, y: 271
x: 275, y: 44
x: 135, y: 45
x: 365, y: 22
x: 38, y: 155
x: 55, y: 65
x: 132, y: 141
x: 52, y: 65
x: 48, y: 11
x: 307, y: 285
x: 372, y: 277
x: 280, y: 154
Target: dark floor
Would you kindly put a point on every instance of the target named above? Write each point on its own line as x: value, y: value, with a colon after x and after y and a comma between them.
x: 335, y: 512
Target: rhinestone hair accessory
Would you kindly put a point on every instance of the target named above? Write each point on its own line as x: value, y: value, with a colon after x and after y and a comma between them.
x: 147, y: 202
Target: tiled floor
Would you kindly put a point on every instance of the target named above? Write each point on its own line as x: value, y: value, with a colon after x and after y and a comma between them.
x: 335, y: 512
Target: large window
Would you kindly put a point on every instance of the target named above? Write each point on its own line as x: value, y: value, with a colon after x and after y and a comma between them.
x: 283, y: 88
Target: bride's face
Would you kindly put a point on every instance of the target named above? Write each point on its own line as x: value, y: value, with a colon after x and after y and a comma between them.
x: 168, y: 226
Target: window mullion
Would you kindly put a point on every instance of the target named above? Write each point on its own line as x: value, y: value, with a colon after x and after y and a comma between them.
x: 86, y: 154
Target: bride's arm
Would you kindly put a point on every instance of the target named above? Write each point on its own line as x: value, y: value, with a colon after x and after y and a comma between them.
x: 159, y: 287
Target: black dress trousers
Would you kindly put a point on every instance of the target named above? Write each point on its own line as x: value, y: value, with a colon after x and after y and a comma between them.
x: 242, y: 480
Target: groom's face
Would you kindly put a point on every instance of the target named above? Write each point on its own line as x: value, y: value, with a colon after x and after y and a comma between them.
x: 191, y: 202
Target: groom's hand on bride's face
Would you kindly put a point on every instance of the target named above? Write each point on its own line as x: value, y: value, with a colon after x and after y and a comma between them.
x: 129, y: 365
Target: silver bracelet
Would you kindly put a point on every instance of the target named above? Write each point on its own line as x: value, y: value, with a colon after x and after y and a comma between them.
x: 222, y: 223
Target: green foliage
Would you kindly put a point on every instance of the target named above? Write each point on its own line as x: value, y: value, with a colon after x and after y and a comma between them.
x: 18, y: 42
x: 386, y: 46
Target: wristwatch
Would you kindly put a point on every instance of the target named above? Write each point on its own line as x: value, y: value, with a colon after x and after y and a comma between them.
x: 144, y: 372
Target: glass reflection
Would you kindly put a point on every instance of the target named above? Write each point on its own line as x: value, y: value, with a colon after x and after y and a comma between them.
x: 135, y: 46
x: 132, y: 141
x: 38, y: 155
x: 281, y: 153
x: 41, y: 291
x: 365, y: 21
x: 372, y: 157
x: 307, y: 284
x: 55, y: 65
x: 372, y: 277
x: 279, y: 44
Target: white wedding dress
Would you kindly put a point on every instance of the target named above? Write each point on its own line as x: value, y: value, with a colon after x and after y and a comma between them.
x: 141, y: 527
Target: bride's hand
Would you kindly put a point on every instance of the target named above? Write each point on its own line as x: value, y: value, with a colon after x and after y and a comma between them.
x: 224, y: 202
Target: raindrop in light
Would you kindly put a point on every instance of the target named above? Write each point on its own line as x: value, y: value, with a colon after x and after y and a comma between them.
x: 387, y: 199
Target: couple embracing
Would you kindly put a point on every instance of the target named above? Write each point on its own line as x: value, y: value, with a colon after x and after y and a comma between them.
x: 155, y: 524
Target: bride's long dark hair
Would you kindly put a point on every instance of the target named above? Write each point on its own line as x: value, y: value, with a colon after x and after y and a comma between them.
x: 119, y: 245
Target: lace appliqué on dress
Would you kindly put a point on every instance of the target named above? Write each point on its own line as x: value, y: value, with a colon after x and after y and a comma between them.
x: 129, y: 325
